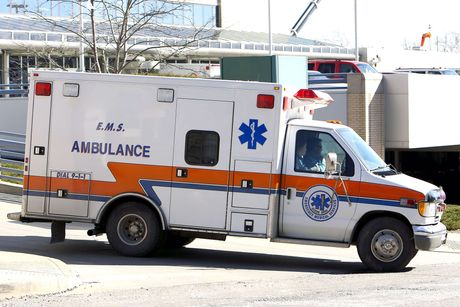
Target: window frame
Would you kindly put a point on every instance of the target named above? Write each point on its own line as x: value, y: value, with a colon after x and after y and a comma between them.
x: 202, y: 132
x: 322, y: 173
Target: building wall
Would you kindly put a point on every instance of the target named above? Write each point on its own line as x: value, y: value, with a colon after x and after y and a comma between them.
x: 13, y: 115
x: 365, y: 111
x: 337, y: 110
x: 422, y: 111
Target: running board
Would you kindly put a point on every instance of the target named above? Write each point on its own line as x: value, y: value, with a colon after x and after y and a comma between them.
x: 310, y: 242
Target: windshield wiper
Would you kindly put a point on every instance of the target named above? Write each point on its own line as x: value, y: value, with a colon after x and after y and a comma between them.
x: 391, y: 167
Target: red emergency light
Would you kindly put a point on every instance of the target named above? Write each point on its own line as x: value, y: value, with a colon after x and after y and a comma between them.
x: 43, y: 89
x: 312, y: 94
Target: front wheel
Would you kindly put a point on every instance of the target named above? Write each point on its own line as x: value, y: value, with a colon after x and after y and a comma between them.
x: 133, y: 229
x: 386, y: 245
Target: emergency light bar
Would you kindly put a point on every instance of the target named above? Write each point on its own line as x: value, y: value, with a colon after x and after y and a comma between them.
x: 310, y: 99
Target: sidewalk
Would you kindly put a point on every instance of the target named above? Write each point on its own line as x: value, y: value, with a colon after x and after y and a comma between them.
x: 25, y: 274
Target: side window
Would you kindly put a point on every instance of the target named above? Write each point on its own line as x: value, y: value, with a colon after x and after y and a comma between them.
x: 311, y: 66
x: 347, y: 68
x: 202, y: 148
x: 327, y: 68
x: 311, y: 149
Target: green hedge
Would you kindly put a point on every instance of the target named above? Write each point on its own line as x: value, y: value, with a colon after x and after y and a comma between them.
x: 451, y: 218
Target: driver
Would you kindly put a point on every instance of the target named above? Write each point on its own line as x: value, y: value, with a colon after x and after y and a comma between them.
x: 313, y: 159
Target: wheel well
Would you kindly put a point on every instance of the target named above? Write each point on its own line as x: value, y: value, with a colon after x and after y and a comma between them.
x: 373, y: 215
x: 112, y: 204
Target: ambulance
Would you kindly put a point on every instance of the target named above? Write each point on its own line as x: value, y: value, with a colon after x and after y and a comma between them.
x: 155, y: 162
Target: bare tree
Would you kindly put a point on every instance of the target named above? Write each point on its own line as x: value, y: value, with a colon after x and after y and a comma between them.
x: 119, y: 32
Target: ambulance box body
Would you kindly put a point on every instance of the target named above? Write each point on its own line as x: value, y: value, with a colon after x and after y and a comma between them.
x: 156, y: 162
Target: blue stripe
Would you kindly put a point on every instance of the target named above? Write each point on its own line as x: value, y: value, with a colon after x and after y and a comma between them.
x: 207, y: 187
x: 251, y: 191
x: 69, y: 196
x: 360, y: 200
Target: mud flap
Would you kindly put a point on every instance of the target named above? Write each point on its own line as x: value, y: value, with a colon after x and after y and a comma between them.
x: 57, y: 232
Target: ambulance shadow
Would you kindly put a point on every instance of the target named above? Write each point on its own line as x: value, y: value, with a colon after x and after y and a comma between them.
x: 92, y: 252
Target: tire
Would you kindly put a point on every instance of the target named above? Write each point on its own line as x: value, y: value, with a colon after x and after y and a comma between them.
x: 386, y: 245
x: 133, y: 229
x: 176, y: 241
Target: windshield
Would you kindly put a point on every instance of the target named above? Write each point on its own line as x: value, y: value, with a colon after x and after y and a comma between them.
x: 366, y: 68
x: 363, y: 151
x: 449, y: 72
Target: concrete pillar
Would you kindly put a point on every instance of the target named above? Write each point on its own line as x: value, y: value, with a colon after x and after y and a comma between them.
x: 6, y: 67
x: 365, y: 110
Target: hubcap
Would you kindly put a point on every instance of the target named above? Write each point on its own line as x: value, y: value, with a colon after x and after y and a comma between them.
x: 387, y: 245
x: 132, y: 229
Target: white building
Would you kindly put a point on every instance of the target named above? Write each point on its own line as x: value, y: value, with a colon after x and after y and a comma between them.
x: 232, y: 29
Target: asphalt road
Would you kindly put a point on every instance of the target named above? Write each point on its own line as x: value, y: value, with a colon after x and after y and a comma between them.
x: 240, y: 271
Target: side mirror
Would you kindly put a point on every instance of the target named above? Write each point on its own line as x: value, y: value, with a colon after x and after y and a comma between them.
x: 331, y: 163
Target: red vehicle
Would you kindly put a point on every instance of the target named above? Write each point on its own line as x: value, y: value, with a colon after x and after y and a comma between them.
x: 340, y: 66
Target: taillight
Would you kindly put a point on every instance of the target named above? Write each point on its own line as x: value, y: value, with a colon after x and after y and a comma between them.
x: 43, y: 89
x: 265, y: 101
x: 285, y: 103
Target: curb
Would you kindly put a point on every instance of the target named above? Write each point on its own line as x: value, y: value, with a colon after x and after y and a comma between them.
x: 10, y: 188
x: 24, y: 274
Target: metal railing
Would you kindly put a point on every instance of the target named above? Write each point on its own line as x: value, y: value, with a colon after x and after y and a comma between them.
x: 12, y: 151
x: 48, y: 37
x: 14, y: 90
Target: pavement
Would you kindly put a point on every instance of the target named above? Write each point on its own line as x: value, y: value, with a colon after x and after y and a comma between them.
x: 24, y: 274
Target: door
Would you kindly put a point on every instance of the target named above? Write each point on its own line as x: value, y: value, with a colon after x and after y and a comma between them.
x: 39, y: 129
x: 315, y: 207
x: 201, y: 165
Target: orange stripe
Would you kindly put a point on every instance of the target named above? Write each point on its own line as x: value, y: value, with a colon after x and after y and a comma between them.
x: 127, y: 180
x: 354, y: 188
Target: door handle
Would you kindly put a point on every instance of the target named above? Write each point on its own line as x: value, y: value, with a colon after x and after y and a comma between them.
x: 181, y: 172
x: 290, y: 193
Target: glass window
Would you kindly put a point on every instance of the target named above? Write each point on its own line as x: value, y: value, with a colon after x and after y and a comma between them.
x: 347, y: 68
x: 168, y: 12
x: 311, y: 148
x: 202, y: 147
x: 198, y: 15
x: 366, y: 68
x: 363, y: 151
x: 326, y: 68
x: 70, y: 62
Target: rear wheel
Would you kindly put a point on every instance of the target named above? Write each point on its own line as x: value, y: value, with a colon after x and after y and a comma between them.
x: 386, y: 245
x: 133, y: 229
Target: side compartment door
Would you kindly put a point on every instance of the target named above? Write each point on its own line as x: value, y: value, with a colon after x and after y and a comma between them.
x: 201, y: 166
x: 313, y: 206
x: 36, y: 183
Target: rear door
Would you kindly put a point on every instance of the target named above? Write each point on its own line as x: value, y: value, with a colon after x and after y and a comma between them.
x: 201, y: 165
x: 35, y: 185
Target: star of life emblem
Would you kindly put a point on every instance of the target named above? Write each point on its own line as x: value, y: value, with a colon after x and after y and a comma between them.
x: 320, y: 203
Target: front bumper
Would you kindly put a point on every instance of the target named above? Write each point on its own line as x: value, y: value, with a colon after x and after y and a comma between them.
x: 430, y: 236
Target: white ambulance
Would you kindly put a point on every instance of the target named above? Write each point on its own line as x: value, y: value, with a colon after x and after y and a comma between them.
x: 156, y: 162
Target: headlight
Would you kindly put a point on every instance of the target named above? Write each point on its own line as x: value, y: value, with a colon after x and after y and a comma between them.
x: 427, y: 209
x: 436, y: 196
